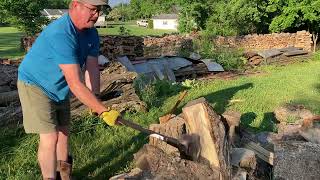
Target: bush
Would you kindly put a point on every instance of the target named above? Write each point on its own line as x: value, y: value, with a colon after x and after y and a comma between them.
x: 228, y: 58
x: 153, y: 93
x: 150, y: 23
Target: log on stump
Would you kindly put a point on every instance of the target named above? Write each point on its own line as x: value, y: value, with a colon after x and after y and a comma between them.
x: 203, y: 121
x: 174, y: 128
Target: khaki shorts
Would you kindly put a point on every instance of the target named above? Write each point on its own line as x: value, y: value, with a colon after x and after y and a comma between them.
x: 41, y: 114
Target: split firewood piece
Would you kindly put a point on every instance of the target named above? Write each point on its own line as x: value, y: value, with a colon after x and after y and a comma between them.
x: 244, y: 158
x: 233, y: 119
x: 203, y: 121
x: 174, y: 128
x: 167, y: 117
x: 310, y: 129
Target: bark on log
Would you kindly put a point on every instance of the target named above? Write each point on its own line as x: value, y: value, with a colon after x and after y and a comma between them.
x: 203, y: 121
x: 164, y: 166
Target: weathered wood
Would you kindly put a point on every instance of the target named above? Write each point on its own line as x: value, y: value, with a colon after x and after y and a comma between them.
x: 261, y: 152
x: 4, y: 89
x: 7, y: 97
x: 167, y: 117
x: 295, y: 53
x: 203, y: 121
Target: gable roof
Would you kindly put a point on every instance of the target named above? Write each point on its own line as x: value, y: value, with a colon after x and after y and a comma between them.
x: 166, y: 16
x: 54, y: 12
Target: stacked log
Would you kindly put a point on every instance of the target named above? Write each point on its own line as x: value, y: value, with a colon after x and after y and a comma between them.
x: 171, y: 45
x: 10, y: 110
x: 254, y: 59
x: 116, y: 91
x: 267, y: 41
x: 114, y: 46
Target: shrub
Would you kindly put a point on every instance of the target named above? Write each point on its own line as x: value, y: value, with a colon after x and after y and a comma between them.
x: 150, y: 23
x: 229, y: 58
x: 123, y: 31
x: 153, y: 93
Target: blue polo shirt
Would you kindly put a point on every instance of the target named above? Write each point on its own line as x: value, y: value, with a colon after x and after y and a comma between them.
x: 58, y: 43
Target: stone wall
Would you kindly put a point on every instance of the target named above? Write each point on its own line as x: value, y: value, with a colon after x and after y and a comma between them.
x: 301, y: 39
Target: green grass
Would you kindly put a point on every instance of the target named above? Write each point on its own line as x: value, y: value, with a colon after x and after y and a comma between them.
x: 10, y: 43
x: 100, y: 151
x: 113, y: 29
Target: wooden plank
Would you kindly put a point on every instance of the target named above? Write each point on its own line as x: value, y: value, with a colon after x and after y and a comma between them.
x: 262, y: 153
x: 295, y: 53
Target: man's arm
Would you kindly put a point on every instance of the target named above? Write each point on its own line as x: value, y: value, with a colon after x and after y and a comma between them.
x: 92, y: 74
x: 72, y: 76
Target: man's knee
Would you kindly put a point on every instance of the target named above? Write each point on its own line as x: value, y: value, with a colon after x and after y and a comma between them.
x: 49, y: 140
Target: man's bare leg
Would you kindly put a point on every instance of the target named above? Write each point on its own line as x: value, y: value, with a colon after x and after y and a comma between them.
x: 47, y: 155
x: 62, y: 144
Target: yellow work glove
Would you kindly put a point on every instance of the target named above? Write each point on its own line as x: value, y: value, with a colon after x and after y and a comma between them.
x: 110, y: 117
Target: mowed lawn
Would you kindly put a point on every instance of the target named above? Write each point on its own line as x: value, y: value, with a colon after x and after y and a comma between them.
x: 10, y: 43
x: 113, y: 28
x: 100, y: 151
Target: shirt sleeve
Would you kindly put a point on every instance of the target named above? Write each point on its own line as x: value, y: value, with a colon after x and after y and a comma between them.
x: 94, y: 50
x: 64, y: 48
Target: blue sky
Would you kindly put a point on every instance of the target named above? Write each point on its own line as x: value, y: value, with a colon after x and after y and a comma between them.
x: 112, y: 3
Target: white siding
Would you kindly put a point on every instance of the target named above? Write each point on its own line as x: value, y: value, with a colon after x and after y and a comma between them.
x: 165, y: 24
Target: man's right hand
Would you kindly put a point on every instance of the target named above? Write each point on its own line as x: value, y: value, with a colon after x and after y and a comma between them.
x: 110, y: 117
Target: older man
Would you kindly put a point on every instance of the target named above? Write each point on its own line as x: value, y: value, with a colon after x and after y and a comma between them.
x: 47, y: 74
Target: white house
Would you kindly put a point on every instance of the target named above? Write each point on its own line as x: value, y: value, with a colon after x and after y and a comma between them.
x: 165, y: 21
x: 53, y: 14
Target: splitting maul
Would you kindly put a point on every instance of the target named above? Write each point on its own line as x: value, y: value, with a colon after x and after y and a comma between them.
x: 188, y: 145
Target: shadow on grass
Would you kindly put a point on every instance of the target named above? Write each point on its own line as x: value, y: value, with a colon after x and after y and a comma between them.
x: 122, y: 160
x: 221, y: 98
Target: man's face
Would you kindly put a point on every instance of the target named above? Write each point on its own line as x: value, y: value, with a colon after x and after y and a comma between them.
x: 88, y: 14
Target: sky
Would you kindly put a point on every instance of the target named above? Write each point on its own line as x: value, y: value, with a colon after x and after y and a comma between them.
x: 113, y: 3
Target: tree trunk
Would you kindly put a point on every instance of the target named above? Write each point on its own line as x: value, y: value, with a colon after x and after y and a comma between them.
x: 315, y: 39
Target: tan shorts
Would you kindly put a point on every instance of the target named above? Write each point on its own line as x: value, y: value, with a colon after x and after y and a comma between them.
x: 41, y: 114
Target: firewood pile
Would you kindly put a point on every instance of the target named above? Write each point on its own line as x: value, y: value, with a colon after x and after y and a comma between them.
x: 171, y: 45
x: 249, y: 42
x: 269, y: 56
x: 114, y: 46
x: 116, y: 91
x: 10, y: 109
x: 218, y: 158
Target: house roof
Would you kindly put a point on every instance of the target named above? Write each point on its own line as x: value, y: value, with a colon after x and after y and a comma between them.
x: 53, y: 12
x: 166, y: 16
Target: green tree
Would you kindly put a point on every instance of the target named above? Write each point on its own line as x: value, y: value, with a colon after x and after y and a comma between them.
x: 293, y: 15
x: 193, y: 16
x: 25, y: 14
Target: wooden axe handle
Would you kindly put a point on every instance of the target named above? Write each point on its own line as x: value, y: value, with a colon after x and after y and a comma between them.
x: 167, y: 117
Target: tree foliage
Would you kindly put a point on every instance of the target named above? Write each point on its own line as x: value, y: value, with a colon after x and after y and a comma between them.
x: 293, y: 15
x: 25, y: 14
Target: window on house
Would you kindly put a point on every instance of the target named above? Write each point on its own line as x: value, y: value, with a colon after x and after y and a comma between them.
x: 165, y: 22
